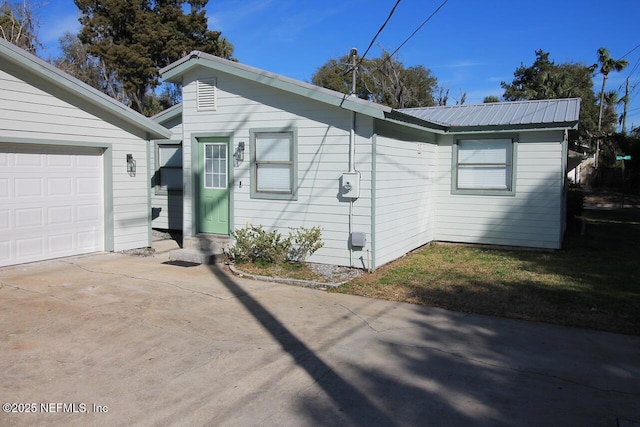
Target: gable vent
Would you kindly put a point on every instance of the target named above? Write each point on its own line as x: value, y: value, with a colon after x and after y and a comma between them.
x: 206, y: 94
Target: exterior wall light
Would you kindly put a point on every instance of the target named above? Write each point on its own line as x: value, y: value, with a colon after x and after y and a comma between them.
x: 131, y: 165
x: 238, y: 155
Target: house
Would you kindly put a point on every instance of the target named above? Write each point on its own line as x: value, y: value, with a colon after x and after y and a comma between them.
x: 263, y: 149
x: 74, y: 175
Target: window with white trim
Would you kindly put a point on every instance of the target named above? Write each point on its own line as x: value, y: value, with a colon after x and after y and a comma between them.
x: 273, y: 164
x: 484, y: 165
x: 169, y: 167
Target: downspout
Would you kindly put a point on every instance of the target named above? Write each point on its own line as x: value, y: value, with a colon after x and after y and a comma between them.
x: 352, y: 146
x: 352, y: 168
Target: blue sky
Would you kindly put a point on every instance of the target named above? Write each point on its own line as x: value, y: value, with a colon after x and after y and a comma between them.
x: 470, y: 46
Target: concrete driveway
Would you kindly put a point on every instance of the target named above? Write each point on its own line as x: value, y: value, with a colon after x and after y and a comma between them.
x: 112, y: 339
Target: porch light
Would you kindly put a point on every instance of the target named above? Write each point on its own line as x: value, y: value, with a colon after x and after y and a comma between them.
x: 238, y: 155
x: 131, y: 165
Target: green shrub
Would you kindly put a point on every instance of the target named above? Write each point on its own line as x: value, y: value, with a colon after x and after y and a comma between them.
x: 254, y: 244
x: 306, y: 241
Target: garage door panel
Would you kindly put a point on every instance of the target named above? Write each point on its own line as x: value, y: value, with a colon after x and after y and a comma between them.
x: 28, y: 160
x: 59, y: 161
x: 28, y: 187
x: 29, y: 217
x: 4, y: 188
x: 60, y: 187
x: 60, y: 244
x: 88, y: 186
x: 88, y: 214
x: 60, y: 215
x: 29, y: 248
x: 52, y: 200
x: 5, y: 220
x: 5, y: 252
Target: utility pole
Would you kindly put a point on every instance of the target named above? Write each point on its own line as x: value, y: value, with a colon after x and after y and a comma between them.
x: 625, y: 100
x: 354, y: 60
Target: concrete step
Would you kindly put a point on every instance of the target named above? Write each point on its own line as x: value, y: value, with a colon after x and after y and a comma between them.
x: 195, y: 256
x: 202, y: 249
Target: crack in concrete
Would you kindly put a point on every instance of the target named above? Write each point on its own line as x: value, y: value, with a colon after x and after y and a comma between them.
x: 365, y: 321
x: 152, y: 281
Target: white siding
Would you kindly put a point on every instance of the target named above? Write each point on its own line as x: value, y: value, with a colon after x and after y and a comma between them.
x: 323, y: 155
x: 404, y: 201
x: 29, y: 113
x: 531, y: 218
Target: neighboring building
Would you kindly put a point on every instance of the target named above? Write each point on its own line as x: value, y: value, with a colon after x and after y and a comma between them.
x: 74, y: 175
x: 263, y: 149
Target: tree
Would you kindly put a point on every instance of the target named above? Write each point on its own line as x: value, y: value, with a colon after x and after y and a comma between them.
x: 545, y: 79
x: 490, y: 99
x: 607, y: 64
x: 77, y: 61
x: 384, y: 80
x: 18, y: 25
x: 134, y: 39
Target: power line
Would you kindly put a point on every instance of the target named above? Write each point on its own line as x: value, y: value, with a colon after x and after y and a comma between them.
x: 630, y: 51
x: 413, y: 34
x: 420, y: 27
x: 379, y: 31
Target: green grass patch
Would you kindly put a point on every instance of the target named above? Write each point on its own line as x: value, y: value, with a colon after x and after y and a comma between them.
x: 594, y: 282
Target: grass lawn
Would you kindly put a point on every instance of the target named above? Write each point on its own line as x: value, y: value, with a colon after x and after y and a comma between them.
x: 593, y: 282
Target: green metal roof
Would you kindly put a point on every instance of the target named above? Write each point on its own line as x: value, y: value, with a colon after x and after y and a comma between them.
x: 19, y: 63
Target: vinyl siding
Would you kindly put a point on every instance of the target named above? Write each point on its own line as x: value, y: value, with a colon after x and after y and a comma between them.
x: 31, y: 114
x: 323, y: 155
x: 530, y: 218
x: 404, y: 201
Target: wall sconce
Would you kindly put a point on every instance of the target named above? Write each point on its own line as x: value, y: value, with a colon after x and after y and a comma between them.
x: 238, y: 155
x: 131, y: 165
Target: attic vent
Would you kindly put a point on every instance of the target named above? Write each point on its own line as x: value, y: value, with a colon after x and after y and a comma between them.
x: 206, y: 94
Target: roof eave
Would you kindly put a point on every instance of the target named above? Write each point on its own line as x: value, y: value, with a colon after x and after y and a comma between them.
x: 81, y: 90
x: 510, y: 128
x: 403, y: 118
x: 175, y: 71
x: 168, y: 114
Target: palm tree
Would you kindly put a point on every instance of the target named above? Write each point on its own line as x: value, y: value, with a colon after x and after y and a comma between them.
x: 607, y: 64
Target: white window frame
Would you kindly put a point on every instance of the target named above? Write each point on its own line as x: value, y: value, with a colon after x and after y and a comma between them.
x: 223, y: 171
x: 292, y: 163
x: 509, y: 166
x: 159, y: 186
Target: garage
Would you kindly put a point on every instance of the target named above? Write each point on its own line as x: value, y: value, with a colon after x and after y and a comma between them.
x: 51, y: 202
x: 74, y: 165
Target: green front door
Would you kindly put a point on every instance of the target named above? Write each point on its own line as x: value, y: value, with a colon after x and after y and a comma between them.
x: 213, y: 185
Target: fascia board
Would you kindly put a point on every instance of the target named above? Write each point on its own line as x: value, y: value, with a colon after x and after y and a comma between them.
x: 168, y: 114
x: 510, y: 128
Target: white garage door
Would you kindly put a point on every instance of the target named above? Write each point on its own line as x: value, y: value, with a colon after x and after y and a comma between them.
x: 51, y: 202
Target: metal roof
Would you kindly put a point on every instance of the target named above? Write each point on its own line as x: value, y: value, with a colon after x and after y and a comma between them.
x: 543, y: 113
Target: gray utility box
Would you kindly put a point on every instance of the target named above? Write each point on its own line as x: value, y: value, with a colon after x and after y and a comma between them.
x: 358, y: 239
